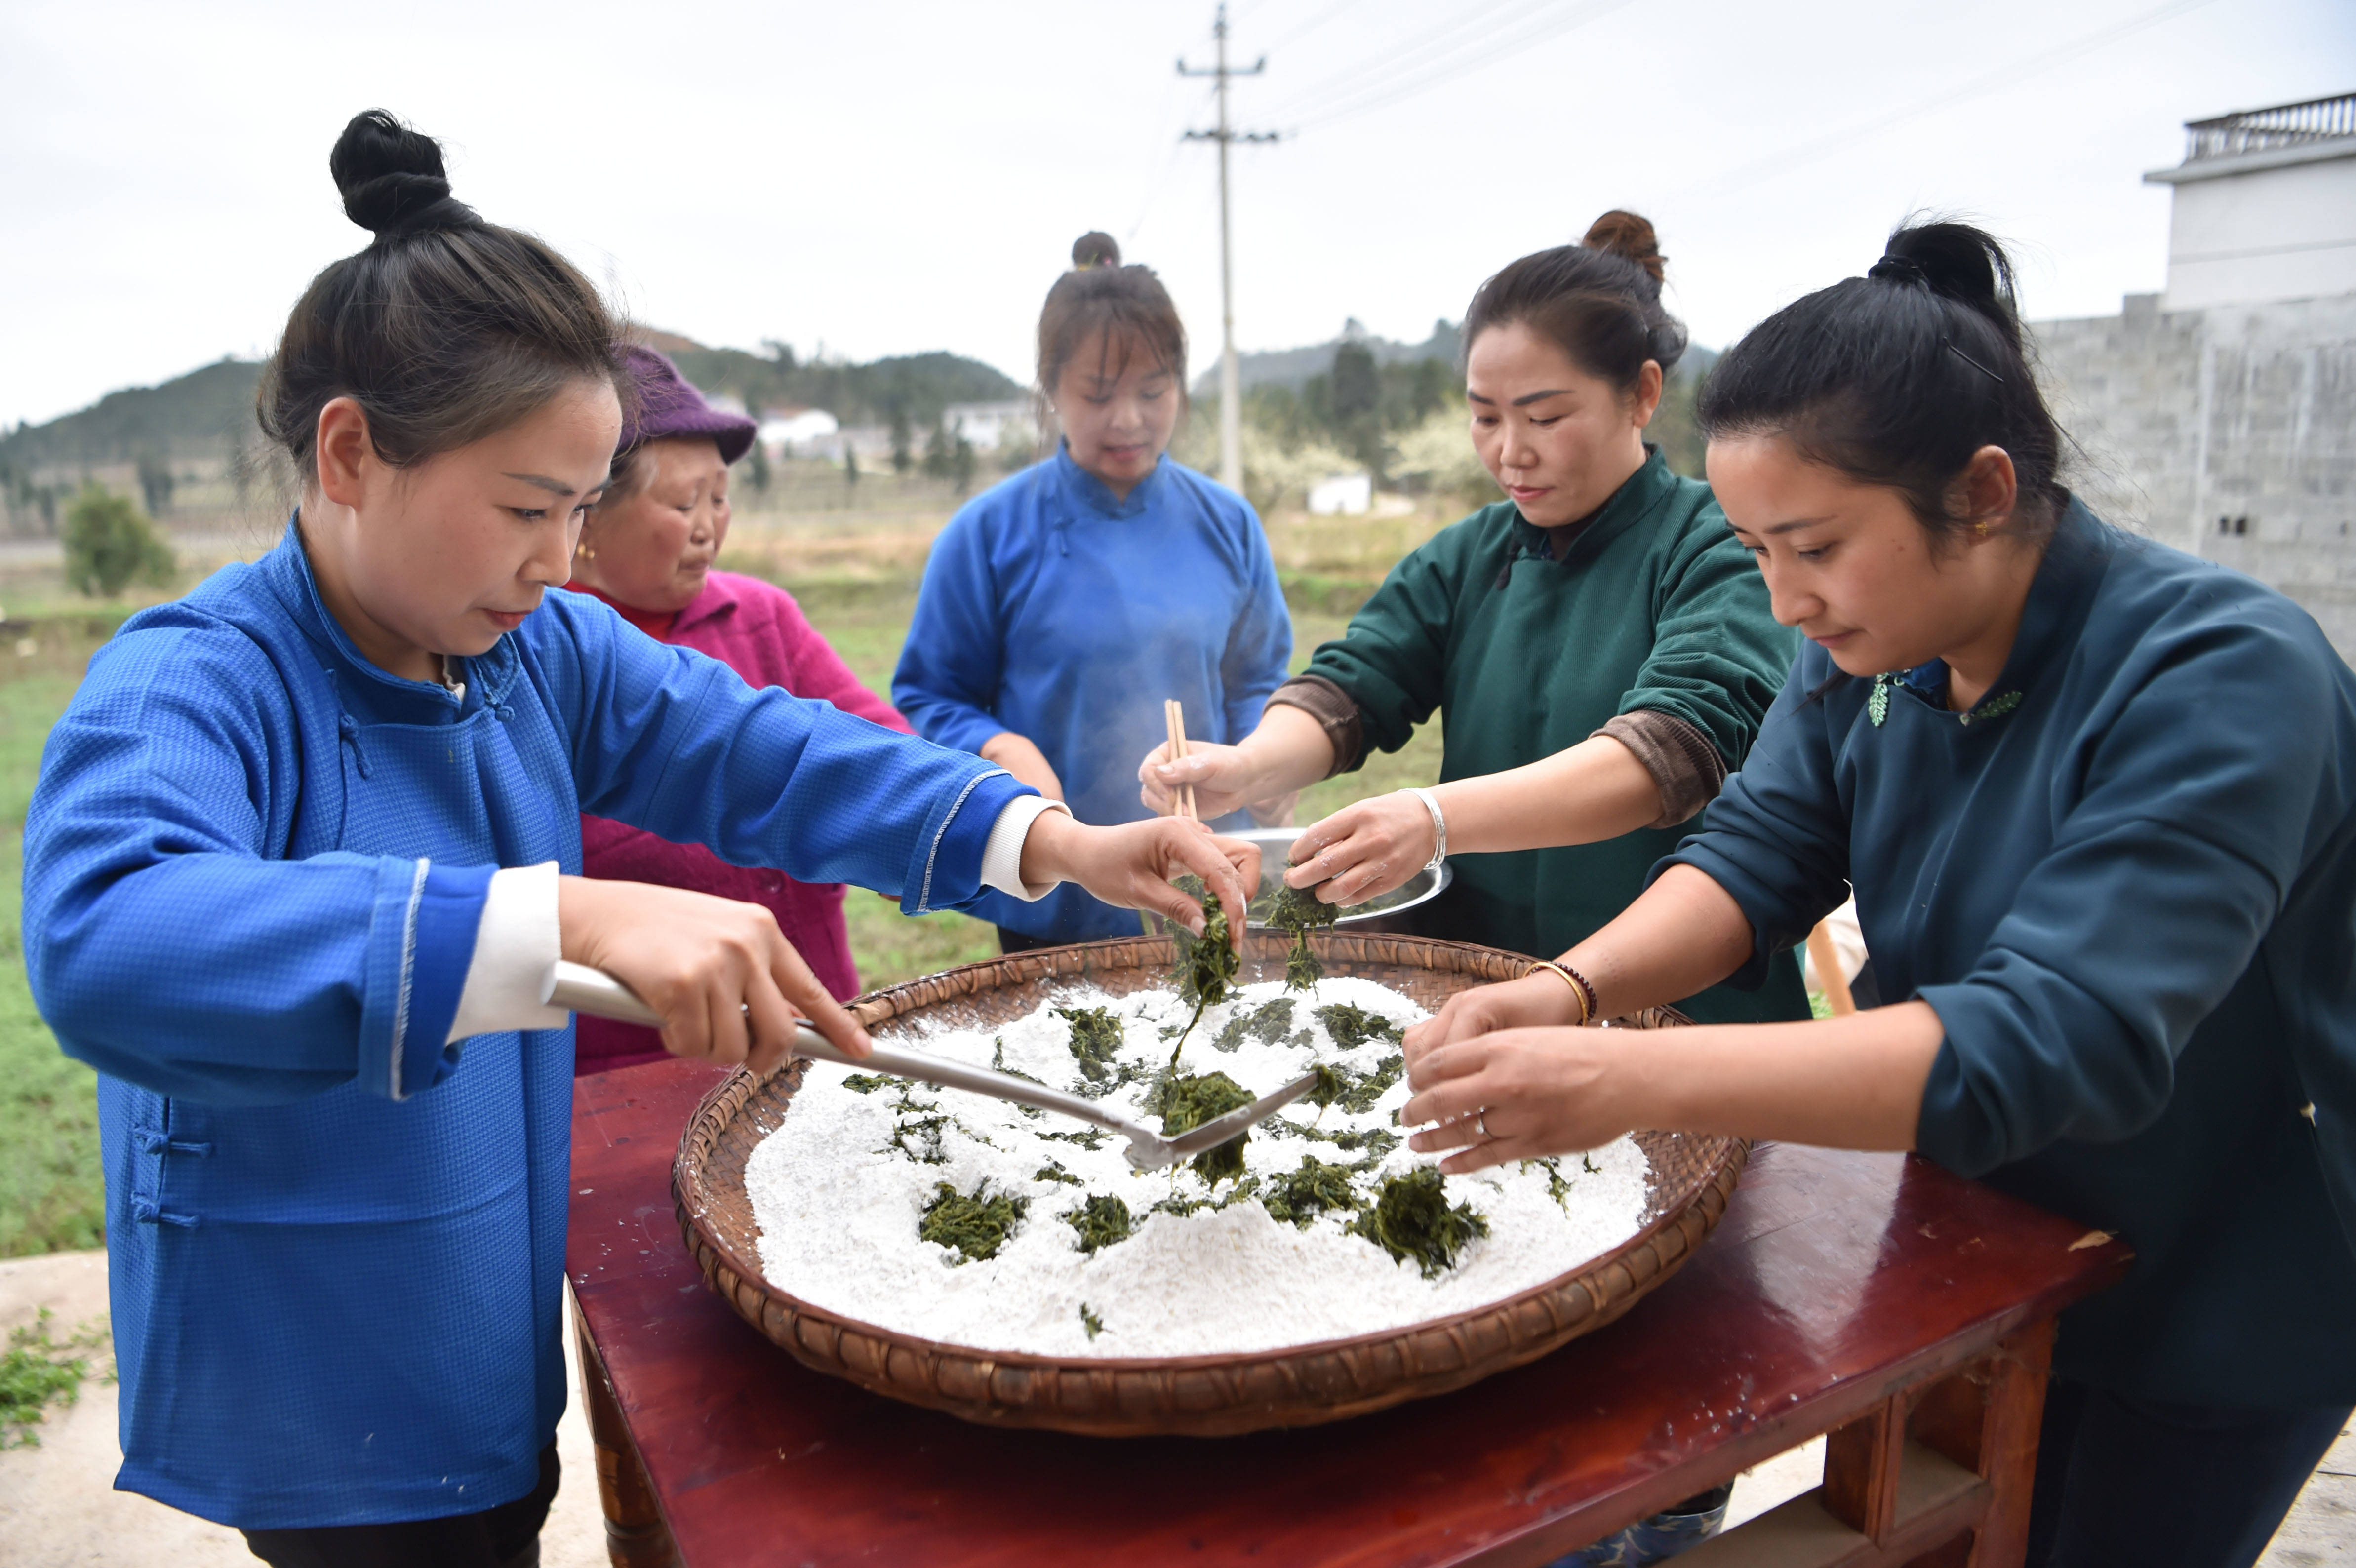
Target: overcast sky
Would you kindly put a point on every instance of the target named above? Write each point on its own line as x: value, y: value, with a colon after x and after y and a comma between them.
x: 888, y: 180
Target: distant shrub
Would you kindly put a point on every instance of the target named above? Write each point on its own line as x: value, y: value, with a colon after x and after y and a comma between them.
x: 110, y: 543
x: 1437, y: 458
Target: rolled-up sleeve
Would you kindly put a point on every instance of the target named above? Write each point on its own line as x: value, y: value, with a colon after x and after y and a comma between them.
x: 1776, y: 838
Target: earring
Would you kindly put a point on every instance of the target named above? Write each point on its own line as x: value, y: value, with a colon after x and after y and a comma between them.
x: 586, y: 553
x: 1982, y: 528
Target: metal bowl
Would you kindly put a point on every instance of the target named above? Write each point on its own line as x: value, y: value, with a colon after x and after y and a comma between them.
x: 1387, y: 914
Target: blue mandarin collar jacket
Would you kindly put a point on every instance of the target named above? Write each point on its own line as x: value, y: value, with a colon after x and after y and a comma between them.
x: 2126, y: 881
x: 1056, y: 612
x: 254, y: 866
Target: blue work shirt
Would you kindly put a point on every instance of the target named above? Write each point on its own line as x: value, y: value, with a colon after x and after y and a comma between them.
x: 2126, y: 881
x: 1056, y: 612
x: 254, y: 867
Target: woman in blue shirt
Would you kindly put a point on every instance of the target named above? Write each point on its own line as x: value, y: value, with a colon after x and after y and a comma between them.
x: 306, y: 848
x: 1063, y: 607
x: 2097, y: 800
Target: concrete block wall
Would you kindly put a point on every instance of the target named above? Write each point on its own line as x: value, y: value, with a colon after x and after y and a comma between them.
x: 2243, y: 413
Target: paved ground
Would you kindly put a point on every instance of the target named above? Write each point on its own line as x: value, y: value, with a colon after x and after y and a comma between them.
x: 59, y: 1509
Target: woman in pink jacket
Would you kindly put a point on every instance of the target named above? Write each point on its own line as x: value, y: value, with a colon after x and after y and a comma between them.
x: 648, y: 550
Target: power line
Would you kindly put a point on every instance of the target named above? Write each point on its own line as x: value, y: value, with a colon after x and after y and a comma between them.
x: 2012, y: 71
x: 1403, y: 56
x: 1474, y: 55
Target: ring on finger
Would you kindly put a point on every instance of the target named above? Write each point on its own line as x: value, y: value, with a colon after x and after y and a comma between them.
x: 1481, y: 1125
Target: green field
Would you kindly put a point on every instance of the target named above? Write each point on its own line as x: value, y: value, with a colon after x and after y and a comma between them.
x: 49, y: 1185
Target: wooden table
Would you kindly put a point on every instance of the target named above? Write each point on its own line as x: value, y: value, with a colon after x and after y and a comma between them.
x: 1903, y: 1310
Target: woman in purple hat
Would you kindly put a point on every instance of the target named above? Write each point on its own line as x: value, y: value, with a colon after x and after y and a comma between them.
x: 646, y: 551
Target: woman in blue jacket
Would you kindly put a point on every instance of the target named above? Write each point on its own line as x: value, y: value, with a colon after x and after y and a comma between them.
x: 1063, y: 607
x: 305, y: 849
x: 2097, y: 799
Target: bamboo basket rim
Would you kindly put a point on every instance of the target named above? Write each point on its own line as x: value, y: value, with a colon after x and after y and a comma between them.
x: 1077, y: 964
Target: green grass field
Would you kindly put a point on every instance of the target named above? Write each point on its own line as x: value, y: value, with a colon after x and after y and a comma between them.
x: 50, y: 1183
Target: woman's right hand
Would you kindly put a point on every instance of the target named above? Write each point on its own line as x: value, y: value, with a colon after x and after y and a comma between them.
x: 1534, y: 1001
x: 1224, y: 778
x: 727, y: 982
x: 1019, y: 756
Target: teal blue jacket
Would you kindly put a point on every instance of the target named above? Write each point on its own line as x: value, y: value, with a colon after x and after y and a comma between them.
x: 2126, y: 883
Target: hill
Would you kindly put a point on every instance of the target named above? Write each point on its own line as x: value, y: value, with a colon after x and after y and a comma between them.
x: 1291, y: 367
x: 208, y: 414
x: 205, y: 414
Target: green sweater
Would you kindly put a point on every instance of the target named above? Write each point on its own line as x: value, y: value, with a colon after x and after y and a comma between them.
x: 1657, y: 605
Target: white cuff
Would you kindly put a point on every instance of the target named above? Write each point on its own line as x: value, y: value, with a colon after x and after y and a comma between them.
x: 516, y: 949
x: 1001, y: 858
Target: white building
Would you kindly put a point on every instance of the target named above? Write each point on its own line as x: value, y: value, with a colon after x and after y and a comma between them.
x: 2220, y: 416
x: 801, y: 433
x: 1343, y: 494
x: 2264, y: 206
x: 990, y: 426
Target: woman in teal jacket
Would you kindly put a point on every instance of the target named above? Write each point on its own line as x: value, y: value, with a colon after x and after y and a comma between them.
x: 1599, y: 645
x: 306, y: 851
x: 2097, y: 800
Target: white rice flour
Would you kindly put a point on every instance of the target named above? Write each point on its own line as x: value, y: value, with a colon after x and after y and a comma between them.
x: 839, y: 1205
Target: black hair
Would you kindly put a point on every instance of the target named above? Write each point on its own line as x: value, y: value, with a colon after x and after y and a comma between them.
x: 1899, y: 376
x: 444, y: 329
x: 1127, y: 305
x: 1598, y: 300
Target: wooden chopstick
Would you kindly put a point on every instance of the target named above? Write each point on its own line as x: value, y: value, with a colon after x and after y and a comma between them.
x: 1173, y: 719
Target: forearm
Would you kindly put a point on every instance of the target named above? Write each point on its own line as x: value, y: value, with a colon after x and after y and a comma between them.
x: 1290, y: 750
x: 1848, y: 1082
x: 1682, y: 935
x: 1589, y: 793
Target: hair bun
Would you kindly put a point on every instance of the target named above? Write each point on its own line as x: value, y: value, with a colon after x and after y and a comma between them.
x: 1626, y: 234
x: 1094, y: 249
x: 1956, y: 260
x: 391, y: 177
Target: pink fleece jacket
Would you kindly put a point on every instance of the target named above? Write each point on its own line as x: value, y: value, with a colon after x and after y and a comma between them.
x: 757, y: 630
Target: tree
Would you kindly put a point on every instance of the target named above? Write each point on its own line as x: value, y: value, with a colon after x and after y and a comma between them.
x: 109, y: 543
x: 937, y: 460
x: 850, y: 466
x: 961, y: 463
x: 156, y: 484
x: 756, y: 472
x: 903, y: 438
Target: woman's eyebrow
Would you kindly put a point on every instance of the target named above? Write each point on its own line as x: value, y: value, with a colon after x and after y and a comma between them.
x: 1528, y: 398
x: 543, y: 481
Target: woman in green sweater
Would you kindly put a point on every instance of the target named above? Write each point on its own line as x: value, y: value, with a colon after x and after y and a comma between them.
x: 1600, y: 644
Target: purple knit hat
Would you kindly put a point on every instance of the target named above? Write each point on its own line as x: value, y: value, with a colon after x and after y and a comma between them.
x: 668, y: 405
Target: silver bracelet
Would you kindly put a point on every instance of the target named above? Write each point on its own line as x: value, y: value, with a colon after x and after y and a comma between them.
x: 1439, y: 828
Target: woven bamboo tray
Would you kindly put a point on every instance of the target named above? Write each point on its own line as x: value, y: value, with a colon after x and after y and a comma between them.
x: 1301, y: 1385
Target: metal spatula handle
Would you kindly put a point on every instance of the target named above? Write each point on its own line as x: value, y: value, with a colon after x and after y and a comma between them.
x: 586, y: 990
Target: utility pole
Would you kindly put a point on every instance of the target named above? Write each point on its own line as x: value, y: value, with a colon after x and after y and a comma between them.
x: 1231, y: 449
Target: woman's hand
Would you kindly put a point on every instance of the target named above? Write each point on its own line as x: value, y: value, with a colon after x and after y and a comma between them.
x: 1224, y: 778
x: 1025, y: 761
x: 1519, y: 1093
x: 727, y: 982
x: 1287, y: 751
x: 1363, y: 851
x: 1534, y: 1001
x: 1132, y: 865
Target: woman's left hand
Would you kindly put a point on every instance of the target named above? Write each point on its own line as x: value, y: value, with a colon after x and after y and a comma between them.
x: 1519, y: 1093
x: 1132, y: 866
x: 1363, y: 851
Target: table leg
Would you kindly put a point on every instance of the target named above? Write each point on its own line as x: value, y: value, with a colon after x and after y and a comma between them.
x: 636, y: 1535
x: 1985, y: 1418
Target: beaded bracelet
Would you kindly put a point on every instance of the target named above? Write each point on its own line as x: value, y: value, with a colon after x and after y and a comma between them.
x: 1579, y: 987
